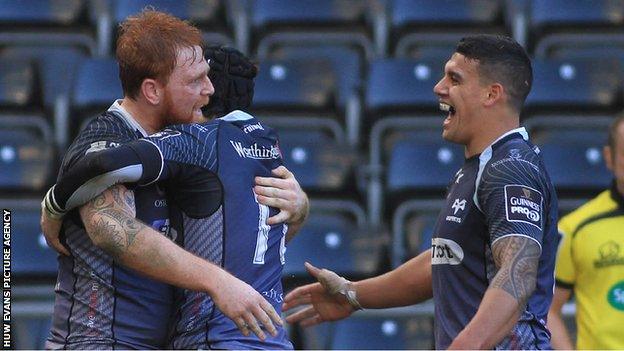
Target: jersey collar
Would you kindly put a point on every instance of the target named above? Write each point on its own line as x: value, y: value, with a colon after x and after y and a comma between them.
x: 127, y: 117
x: 237, y: 115
x: 514, y: 133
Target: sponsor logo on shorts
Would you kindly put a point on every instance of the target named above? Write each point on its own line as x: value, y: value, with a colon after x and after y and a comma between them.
x: 256, y: 152
x: 446, y: 251
x: 523, y: 204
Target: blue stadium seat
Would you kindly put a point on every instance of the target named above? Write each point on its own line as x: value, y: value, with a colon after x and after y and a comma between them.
x: 575, y: 85
x: 26, y: 154
x: 320, y: 163
x: 403, y: 85
x: 295, y: 85
x: 382, y: 333
x: 31, y: 333
x: 431, y: 28
x: 346, y: 64
x: 200, y: 12
x: 413, y: 223
x: 422, y: 161
x: 45, y: 23
x: 97, y: 84
x: 574, y: 159
x: 17, y: 83
x: 556, y: 24
x: 579, y: 14
x: 331, y: 241
x: 31, y: 257
x: 56, y: 67
x: 40, y: 12
x: 342, y: 22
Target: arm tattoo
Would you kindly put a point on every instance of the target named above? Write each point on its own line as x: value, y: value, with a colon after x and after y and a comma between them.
x: 110, y: 221
x: 517, y: 258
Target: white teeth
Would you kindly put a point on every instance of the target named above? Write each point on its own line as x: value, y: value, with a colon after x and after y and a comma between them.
x: 445, y: 107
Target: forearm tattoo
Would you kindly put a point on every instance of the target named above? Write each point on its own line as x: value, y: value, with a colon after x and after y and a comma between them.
x: 517, y: 258
x: 110, y: 221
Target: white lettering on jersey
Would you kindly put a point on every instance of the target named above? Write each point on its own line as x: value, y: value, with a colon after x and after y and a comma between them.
x: 251, y: 127
x: 523, y: 204
x: 446, y: 251
x: 256, y: 152
x: 101, y: 145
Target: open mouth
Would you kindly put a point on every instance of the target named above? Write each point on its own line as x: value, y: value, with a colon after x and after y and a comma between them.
x: 447, y: 108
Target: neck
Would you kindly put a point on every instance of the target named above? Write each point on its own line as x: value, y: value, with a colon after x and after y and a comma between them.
x: 144, y: 115
x: 620, y: 187
x: 493, y: 128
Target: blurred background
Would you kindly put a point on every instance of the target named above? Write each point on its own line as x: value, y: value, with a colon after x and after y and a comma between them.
x: 348, y: 85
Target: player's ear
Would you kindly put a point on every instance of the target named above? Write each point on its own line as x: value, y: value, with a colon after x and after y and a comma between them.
x: 494, y: 94
x: 152, y: 90
x: 608, y: 157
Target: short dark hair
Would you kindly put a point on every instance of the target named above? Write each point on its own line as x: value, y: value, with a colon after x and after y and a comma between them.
x: 611, y: 141
x: 501, y: 59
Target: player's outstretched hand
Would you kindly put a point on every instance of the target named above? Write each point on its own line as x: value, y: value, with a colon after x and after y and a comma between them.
x: 283, y: 191
x: 323, y: 300
x: 51, y: 229
x: 246, y: 307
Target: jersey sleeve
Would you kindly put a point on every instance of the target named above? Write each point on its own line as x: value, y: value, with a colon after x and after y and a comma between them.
x: 137, y: 162
x: 565, y: 274
x: 186, y: 145
x: 512, y: 197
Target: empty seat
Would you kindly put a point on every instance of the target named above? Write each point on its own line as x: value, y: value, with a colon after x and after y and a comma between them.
x: 422, y: 161
x: 343, y: 22
x: 423, y: 28
x: 320, y: 163
x: 45, y: 23
x: 56, y: 67
x: 295, y: 85
x: 362, y: 332
x: 559, y: 23
x: 97, y: 85
x: 335, y: 242
x: 575, y: 85
x: 574, y: 160
x: 17, y: 83
x: 345, y: 62
x: 413, y: 224
x: 208, y: 15
x: 26, y: 154
x: 31, y: 256
x: 402, y: 85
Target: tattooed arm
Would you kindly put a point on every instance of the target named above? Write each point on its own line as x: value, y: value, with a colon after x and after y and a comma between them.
x: 109, y: 221
x: 516, y: 258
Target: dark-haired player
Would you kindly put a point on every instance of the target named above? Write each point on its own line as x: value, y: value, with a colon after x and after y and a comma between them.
x: 490, y: 266
x: 208, y: 171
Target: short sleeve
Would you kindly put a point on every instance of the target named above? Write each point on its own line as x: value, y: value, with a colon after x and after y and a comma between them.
x: 565, y: 274
x: 512, y: 198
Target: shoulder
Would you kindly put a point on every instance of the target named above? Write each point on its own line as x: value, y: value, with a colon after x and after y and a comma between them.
x: 602, y: 203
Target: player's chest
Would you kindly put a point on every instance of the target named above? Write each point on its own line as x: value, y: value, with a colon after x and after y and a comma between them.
x: 460, y: 222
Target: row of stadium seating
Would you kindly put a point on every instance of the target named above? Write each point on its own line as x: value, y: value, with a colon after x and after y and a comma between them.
x: 378, y: 27
x: 327, y: 82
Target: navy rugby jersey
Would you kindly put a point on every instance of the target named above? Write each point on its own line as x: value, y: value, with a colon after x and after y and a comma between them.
x: 503, y: 191
x: 99, y: 304
x: 208, y: 172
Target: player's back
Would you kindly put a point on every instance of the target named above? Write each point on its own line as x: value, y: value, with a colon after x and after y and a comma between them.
x: 210, y: 174
x: 100, y: 304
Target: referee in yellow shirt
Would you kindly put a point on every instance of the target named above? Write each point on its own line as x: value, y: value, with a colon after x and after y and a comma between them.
x: 590, y: 262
